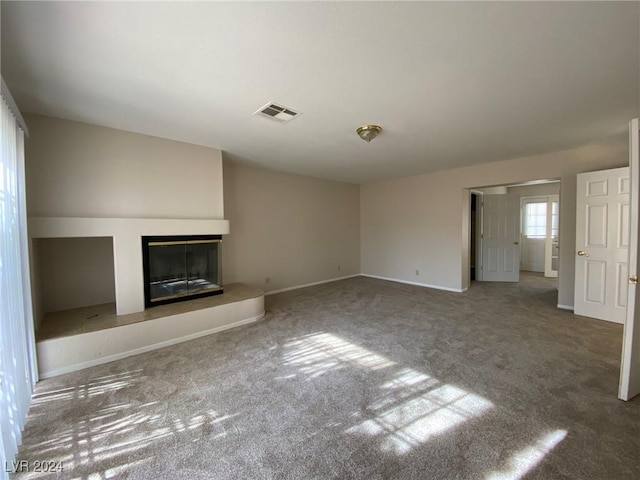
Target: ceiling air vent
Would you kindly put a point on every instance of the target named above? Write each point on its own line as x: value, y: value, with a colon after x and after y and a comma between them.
x: 277, y: 112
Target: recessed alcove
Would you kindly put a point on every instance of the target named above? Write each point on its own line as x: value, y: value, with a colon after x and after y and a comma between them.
x: 74, y: 272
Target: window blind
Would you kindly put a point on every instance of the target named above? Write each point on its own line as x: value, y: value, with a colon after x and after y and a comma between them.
x: 18, y: 371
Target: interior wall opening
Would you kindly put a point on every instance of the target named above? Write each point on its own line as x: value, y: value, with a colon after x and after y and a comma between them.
x: 514, y: 229
x: 74, y: 273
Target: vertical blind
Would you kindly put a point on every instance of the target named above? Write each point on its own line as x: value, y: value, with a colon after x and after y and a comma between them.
x: 18, y: 372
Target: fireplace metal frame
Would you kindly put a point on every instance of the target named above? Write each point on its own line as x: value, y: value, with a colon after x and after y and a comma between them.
x: 150, y: 241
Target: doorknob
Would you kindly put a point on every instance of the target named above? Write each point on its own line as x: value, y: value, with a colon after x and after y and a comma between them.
x: 633, y: 280
x: 516, y: 243
x: 582, y: 253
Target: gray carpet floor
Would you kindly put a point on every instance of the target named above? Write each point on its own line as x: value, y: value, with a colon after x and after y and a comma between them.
x: 357, y: 379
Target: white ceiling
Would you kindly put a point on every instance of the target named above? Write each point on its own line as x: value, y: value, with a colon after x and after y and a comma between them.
x: 452, y: 84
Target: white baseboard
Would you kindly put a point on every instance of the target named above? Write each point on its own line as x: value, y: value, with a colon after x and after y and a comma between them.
x: 565, y: 307
x: 310, y: 284
x: 437, y: 287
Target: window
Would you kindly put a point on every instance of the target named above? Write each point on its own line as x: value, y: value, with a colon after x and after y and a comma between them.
x: 17, y: 358
x: 535, y: 220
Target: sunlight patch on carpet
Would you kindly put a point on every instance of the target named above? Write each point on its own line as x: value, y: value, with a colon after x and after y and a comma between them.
x: 319, y: 353
x: 120, y: 432
x: 106, y: 384
x: 412, y: 407
x: 416, y: 408
x: 524, y: 460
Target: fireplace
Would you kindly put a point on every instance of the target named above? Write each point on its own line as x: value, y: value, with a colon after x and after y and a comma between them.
x: 179, y: 268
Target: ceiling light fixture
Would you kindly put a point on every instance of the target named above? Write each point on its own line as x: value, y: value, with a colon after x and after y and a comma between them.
x: 368, y: 132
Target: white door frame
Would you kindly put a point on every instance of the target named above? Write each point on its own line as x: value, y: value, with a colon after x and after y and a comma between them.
x: 548, y: 248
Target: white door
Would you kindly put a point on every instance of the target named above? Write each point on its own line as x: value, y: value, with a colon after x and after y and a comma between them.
x: 630, y: 365
x: 534, y: 233
x: 501, y: 238
x: 602, y: 244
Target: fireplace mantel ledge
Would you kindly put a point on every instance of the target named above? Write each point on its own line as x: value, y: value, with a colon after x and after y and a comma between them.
x: 61, y: 227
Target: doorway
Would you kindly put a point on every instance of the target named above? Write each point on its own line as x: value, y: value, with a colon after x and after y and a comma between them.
x: 535, y: 239
x: 475, y: 227
x: 540, y: 237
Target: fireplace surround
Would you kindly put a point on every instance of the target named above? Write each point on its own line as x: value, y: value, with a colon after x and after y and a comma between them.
x: 182, y: 267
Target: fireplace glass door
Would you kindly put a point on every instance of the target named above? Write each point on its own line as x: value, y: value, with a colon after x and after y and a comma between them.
x: 177, y: 269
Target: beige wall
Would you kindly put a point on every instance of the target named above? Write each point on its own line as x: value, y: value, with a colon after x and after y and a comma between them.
x: 80, y: 170
x: 68, y: 269
x: 421, y: 222
x: 539, y: 190
x: 499, y: 190
x: 294, y: 229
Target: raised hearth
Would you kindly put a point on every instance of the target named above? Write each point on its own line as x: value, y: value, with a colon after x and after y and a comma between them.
x: 83, y: 337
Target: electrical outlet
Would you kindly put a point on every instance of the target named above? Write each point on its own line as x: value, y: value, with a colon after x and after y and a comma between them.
x: 267, y: 279
x: 417, y: 272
